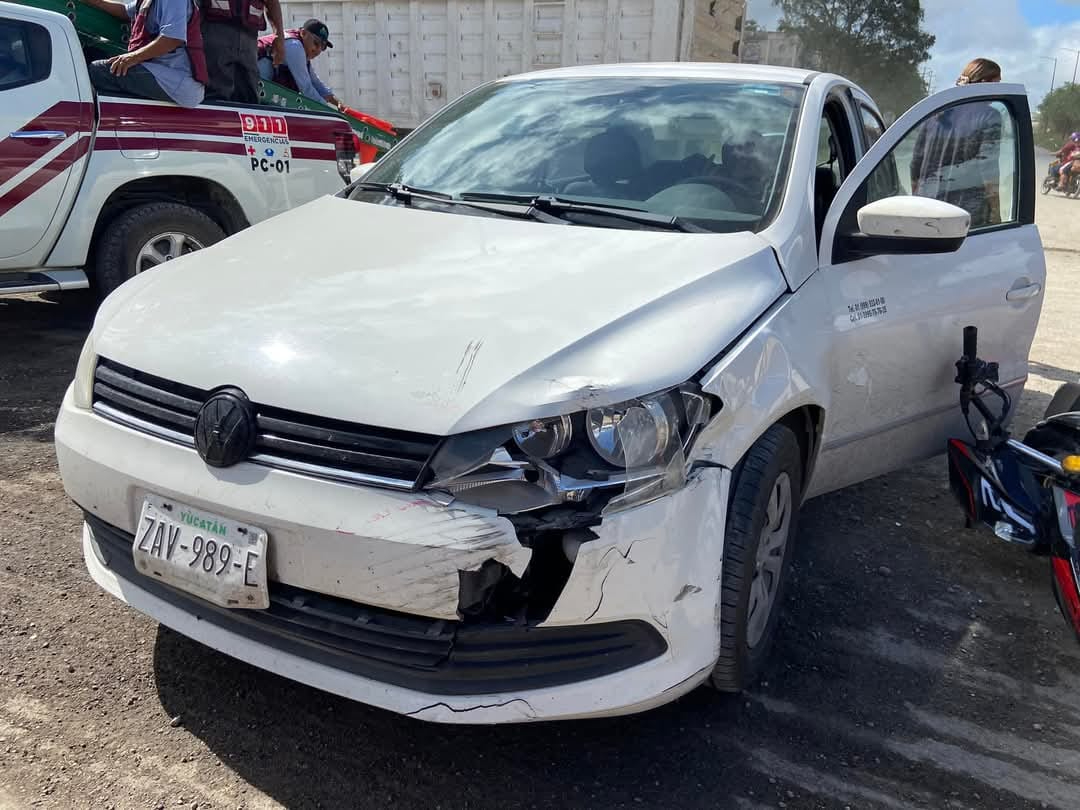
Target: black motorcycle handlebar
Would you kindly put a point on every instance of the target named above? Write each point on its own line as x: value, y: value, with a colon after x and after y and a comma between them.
x: 972, y: 372
x: 971, y: 343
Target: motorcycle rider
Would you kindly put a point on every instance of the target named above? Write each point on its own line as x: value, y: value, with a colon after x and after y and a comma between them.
x: 1066, y: 155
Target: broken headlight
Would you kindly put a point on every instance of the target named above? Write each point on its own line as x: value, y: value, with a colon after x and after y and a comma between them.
x: 544, y: 438
x: 608, y: 457
x: 633, y: 434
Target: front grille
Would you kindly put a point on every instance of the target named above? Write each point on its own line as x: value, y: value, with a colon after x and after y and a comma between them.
x: 413, y: 652
x: 287, y: 440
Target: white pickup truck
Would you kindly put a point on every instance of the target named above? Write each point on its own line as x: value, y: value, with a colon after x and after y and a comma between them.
x: 96, y: 189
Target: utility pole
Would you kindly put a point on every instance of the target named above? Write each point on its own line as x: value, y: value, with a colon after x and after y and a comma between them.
x: 1053, y: 76
x: 1076, y: 64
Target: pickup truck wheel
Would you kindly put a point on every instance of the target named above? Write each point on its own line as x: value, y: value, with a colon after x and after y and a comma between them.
x: 146, y: 236
x: 762, y: 517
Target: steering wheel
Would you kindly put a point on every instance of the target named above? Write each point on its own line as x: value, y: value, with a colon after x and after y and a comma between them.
x: 724, y: 184
x: 721, y: 182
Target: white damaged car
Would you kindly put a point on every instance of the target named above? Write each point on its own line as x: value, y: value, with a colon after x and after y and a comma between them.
x: 517, y: 426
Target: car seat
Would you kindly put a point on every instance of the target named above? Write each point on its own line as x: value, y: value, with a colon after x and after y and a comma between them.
x: 825, y: 187
x: 613, y: 163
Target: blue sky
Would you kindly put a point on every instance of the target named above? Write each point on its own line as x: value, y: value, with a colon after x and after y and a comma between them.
x: 1015, y: 33
x: 1049, y: 12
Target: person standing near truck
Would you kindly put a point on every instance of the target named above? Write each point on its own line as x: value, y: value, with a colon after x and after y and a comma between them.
x: 957, y: 152
x: 301, y: 46
x: 165, y: 57
x: 230, y: 30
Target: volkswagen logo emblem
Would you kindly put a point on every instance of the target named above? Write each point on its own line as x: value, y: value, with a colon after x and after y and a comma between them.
x: 225, y: 428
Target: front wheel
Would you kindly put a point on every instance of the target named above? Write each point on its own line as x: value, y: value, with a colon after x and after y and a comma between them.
x: 764, y: 507
x: 148, y: 236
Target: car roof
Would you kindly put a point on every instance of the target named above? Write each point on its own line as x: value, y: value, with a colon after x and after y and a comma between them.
x: 674, y: 70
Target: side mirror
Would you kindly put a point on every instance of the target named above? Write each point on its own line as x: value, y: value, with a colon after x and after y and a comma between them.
x: 906, y: 225
x: 359, y: 171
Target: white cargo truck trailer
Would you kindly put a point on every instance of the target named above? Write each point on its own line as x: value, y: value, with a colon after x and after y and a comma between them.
x: 403, y: 60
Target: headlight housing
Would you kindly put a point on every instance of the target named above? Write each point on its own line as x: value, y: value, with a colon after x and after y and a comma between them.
x: 82, y: 388
x: 544, y: 438
x: 633, y: 434
x: 616, y: 455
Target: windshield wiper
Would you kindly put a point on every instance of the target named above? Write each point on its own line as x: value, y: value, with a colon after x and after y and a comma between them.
x: 542, y: 207
x: 400, y: 191
x: 551, y: 204
x: 559, y: 205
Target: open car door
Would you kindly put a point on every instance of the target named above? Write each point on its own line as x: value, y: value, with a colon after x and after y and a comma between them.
x: 899, y: 304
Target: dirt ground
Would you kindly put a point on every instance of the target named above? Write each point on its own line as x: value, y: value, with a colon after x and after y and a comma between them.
x: 918, y: 665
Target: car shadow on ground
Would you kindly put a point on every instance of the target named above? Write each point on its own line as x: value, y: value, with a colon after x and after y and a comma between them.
x: 888, y: 682
x: 40, y: 340
x: 1054, y: 373
x: 70, y: 310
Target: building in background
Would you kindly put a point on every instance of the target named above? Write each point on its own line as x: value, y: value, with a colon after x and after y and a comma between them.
x: 771, y: 48
x: 717, y: 30
x: 403, y: 60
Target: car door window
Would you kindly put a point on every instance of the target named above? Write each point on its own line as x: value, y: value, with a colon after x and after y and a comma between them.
x: 833, y: 162
x: 25, y: 53
x: 828, y: 152
x: 966, y: 155
x: 873, y: 128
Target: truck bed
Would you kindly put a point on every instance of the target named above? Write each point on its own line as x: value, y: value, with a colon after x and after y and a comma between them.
x: 102, y: 36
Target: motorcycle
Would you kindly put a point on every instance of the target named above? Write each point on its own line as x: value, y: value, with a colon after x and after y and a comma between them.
x: 1072, y: 189
x: 1026, y: 492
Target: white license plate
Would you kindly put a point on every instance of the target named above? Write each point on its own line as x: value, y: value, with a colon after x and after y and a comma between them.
x: 210, y: 556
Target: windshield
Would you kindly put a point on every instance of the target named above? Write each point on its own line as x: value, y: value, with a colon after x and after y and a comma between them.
x: 713, y: 153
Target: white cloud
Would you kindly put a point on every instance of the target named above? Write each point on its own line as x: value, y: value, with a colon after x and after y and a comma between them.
x: 995, y: 29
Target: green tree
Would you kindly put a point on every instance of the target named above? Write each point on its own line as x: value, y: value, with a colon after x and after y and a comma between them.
x: 1059, y: 115
x: 877, y: 43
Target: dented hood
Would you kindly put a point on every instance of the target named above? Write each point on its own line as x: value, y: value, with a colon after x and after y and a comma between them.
x: 438, y: 322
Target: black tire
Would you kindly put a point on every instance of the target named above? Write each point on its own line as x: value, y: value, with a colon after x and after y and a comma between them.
x: 1066, y: 400
x: 122, y: 239
x: 774, y: 455
x: 1047, y: 186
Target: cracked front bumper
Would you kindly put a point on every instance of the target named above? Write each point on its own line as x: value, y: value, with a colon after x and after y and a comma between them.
x: 656, y: 566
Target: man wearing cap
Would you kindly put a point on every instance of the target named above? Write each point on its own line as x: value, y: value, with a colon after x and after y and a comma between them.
x: 301, y: 46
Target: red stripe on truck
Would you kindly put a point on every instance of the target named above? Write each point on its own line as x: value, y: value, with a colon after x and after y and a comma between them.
x: 151, y: 117
x: 68, y: 117
x: 165, y: 144
x: 214, y: 121
x: 309, y: 153
x: 75, y: 116
x: 56, y: 166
